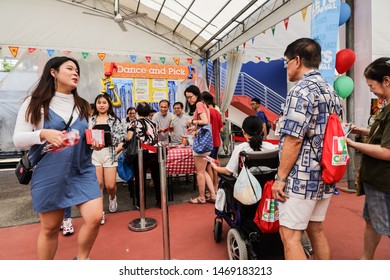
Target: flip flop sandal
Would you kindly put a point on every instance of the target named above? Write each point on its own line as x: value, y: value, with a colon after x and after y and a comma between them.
x: 196, y: 200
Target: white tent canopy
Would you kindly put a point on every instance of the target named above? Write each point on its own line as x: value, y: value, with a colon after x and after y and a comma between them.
x: 198, y: 28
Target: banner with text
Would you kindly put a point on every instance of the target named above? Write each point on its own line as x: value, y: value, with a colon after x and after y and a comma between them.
x: 151, y: 71
x: 324, y: 29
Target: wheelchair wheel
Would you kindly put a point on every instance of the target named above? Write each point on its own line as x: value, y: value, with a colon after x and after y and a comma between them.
x: 236, y: 246
x: 217, y: 230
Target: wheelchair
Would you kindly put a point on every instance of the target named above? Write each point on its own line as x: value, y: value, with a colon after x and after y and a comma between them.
x: 244, y: 239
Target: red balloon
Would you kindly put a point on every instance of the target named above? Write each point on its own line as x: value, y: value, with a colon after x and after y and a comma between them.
x: 345, y: 59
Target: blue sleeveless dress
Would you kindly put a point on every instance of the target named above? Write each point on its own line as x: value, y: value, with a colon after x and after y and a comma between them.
x: 66, y: 178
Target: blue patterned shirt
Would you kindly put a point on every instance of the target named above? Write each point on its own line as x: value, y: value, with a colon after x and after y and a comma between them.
x: 305, y: 114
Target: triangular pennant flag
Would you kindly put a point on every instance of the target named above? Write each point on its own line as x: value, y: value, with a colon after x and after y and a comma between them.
x: 50, y: 52
x: 224, y: 56
x: 84, y: 54
x: 189, y: 59
x: 31, y: 50
x: 66, y: 52
x: 14, y: 50
x: 162, y: 59
x: 201, y: 61
x: 273, y: 29
x: 253, y: 40
x: 148, y: 58
x: 133, y: 58
x: 258, y: 57
x: 286, y: 22
x: 304, y: 12
x: 176, y: 60
x: 268, y: 58
x: 102, y: 56
x: 244, y: 44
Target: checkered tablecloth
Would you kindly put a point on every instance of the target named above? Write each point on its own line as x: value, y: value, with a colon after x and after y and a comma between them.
x: 180, y: 161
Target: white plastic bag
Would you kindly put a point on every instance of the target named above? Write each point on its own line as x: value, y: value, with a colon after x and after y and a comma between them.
x: 247, y: 189
x: 220, y: 200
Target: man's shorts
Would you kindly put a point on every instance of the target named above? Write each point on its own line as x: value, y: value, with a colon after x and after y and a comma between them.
x: 296, y: 213
x: 103, y: 158
x: 376, y: 209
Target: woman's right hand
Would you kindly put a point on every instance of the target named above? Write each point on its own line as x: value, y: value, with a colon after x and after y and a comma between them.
x: 52, y: 136
x: 95, y: 145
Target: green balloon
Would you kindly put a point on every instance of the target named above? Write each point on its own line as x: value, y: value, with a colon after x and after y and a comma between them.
x: 343, y: 86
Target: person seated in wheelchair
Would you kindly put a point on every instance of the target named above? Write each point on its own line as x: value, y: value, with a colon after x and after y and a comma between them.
x: 251, y: 128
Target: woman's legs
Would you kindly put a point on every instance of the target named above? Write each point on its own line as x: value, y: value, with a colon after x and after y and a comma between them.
x: 371, y: 241
x: 110, y: 183
x: 203, y: 178
x: 48, y: 235
x: 110, y: 180
x: 100, y: 177
x: 91, y: 212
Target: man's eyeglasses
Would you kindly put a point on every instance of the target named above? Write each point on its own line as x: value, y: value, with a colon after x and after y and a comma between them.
x: 190, y: 97
x: 287, y: 61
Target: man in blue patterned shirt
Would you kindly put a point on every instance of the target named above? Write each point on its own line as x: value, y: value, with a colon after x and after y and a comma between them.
x: 302, y: 194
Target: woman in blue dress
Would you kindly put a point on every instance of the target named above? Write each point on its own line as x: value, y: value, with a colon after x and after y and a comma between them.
x: 66, y: 177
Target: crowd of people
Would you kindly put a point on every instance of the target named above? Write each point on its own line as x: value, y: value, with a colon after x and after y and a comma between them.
x: 77, y: 175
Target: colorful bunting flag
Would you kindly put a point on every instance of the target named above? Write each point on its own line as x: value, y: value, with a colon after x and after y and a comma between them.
x: 14, y: 50
x: 268, y: 58
x: 201, y: 62
x: 253, y: 40
x: 102, y: 56
x: 286, y: 22
x: 189, y: 59
x: 84, y: 54
x: 50, y: 52
x: 244, y: 45
x: 148, y: 58
x: 31, y: 50
x: 258, y: 57
x: 176, y: 60
x: 133, y: 58
x: 162, y: 59
x: 273, y: 29
x: 66, y: 52
x: 304, y: 12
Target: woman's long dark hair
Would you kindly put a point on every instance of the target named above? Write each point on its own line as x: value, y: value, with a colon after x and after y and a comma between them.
x: 45, y: 90
x: 190, y: 109
x: 253, y: 126
x: 110, y: 110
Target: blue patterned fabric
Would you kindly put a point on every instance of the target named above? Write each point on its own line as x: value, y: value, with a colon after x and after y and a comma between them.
x: 203, y: 141
x: 305, y: 114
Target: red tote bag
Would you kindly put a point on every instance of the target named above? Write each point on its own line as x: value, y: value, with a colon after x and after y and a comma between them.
x: 267, y: 214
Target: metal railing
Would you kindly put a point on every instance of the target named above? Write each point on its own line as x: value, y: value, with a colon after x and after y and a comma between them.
x: 249, y: 86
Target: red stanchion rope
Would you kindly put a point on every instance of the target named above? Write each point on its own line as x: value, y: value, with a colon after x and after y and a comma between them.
x: 243, y: 139
x: 149, y: 147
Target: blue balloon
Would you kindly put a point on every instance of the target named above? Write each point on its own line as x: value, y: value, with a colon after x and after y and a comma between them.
x: 345, y: 13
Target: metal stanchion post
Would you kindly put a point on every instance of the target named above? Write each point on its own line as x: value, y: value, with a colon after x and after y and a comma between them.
x: 162, y: 152
x: 231, y: 143
x: 142, y: 223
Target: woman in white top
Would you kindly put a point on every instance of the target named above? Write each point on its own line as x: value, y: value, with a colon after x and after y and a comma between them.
x: 66, y: 177
x: 252, y: 128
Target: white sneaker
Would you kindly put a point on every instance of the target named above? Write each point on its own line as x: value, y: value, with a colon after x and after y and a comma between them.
x: 113, y: 204
x: 67, y: 227
x: 103, y: 221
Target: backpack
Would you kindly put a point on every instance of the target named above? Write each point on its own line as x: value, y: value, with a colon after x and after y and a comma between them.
x: 335, y: 157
